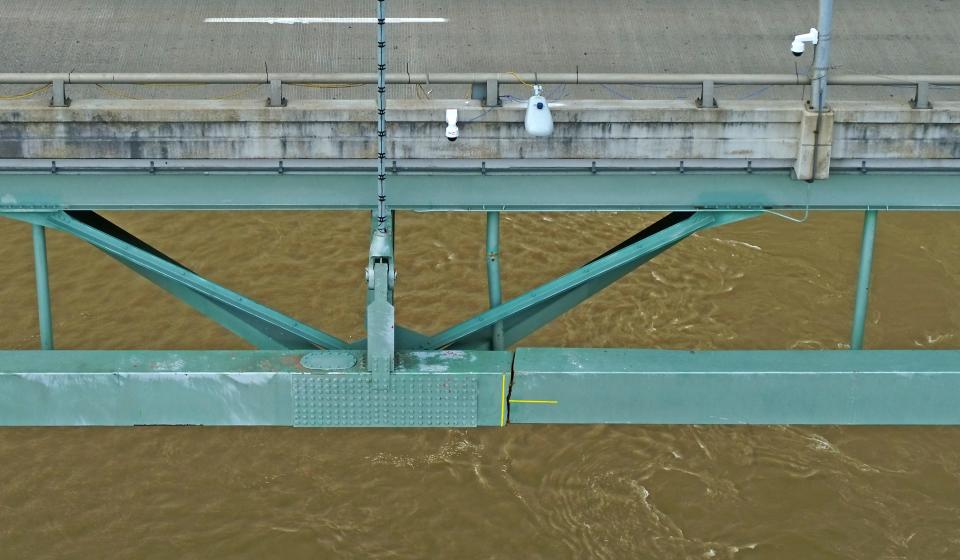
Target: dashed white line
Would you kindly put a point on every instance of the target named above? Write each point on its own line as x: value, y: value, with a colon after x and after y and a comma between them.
x: 308, y: 20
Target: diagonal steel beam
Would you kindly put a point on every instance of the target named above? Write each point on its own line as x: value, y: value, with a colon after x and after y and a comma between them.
x: 527, y: 322
x: 530, y: 311
x: 258, y: 324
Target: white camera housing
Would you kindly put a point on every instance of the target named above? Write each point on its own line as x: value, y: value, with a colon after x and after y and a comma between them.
x: 453, y: 132
x: 538, y: 121
x: 796, y: 47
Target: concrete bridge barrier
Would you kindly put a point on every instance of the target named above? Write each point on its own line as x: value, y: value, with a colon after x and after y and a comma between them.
x: 754, y: 131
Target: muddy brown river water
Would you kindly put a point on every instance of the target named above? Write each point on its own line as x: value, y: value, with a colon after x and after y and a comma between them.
x: 517, y: 492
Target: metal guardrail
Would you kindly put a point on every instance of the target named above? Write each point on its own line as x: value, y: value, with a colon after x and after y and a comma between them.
x: 466, y: 166
x: 485, y: 85
x: 468, y: 78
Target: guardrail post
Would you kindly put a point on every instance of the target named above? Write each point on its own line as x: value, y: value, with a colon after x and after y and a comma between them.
x: 60, y: 98
x: 493, y: 93
x: 276, y: 98
x: 488, y: 93
x: 922, y: 98
x: 706, y: 98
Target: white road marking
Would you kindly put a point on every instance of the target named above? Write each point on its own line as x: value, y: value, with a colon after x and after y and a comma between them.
x: 306, y: 20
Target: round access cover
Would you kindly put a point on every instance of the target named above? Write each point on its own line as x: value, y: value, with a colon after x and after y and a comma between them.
x: 332, y: 360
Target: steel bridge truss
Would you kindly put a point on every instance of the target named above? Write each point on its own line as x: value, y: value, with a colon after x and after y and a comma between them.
x: 465, y: 375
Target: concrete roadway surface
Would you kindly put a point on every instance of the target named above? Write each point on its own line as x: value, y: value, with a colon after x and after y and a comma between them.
x: 751, y: 36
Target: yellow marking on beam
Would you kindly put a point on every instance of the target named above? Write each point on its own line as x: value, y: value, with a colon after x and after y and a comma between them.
x: 531, y: 401
x: 503, y: 399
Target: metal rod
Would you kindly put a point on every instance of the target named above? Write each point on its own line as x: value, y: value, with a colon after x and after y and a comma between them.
x: 821, y: 62
x: 463, y: 166
x: 381, y: 117
x: 493, y: 275
x: 43, y: 287
x: 381, y: 327
x: 888, y: 80
x: 863, y: 279
x: 470, y: 78
x: 501, y: 166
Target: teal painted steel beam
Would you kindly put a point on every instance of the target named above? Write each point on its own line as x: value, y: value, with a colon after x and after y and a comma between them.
x: 381, y: 316
x: 616, y: 386
x: 406, y: 339
x: 455, y: 388
x: 254, y: 322
x: 241, y: 388
x: 493, y: 276
x: 43, y: 287
x: 863, y: 279
x: 523, y: 324
x: 607, y: 266
x: 381, y: 341
x: 471, y: 191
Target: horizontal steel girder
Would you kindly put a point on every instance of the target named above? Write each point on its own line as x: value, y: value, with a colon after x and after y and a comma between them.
x: 455, y: 388
x: 546, y: 191
x: 574, y: 386
x: 240, y: 388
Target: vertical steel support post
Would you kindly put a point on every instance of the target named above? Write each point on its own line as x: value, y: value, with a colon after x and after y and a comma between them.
x: 381, y: 315
x: 43, y: 287
x: 863, y: 279
x: 381, y: 273
x: 381, y: 326
x: 821, y: 62
x: 493, y: 275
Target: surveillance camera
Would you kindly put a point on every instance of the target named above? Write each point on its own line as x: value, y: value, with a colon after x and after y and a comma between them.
x: 453, y: 132
x: 538, y: 120
x: 797, y: 46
